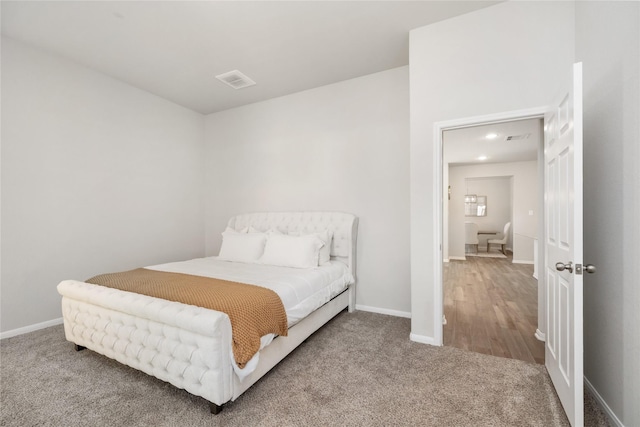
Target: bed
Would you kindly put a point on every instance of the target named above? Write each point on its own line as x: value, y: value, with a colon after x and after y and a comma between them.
x: 189, y: 346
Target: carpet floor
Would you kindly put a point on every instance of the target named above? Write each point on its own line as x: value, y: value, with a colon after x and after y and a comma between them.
x: 361, y: 369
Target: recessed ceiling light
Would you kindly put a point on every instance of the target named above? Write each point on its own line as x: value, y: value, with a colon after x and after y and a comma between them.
x: 483, y: 157
x: 491, y: 135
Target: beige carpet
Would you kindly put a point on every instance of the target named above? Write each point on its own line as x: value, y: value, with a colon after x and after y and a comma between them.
x: 359, y: 370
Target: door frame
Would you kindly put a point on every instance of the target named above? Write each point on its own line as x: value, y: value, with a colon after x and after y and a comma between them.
x: 438, y: 202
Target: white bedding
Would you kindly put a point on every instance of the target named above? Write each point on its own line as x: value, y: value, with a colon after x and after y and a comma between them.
x: 301, y: 290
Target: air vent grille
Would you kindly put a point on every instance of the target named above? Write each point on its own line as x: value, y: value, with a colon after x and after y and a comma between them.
x: 235, y: 79
x: 517, y: 137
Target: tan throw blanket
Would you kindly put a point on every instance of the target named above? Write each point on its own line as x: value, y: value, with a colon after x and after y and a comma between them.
x: 254, y: 311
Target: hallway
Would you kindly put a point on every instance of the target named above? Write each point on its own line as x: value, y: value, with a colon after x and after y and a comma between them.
x: 491, y: 307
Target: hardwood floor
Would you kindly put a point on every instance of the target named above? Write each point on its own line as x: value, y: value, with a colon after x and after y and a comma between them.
x: 491, y: 307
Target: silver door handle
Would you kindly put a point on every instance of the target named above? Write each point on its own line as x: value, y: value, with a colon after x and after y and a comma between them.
x: 560, y: 266
x: 590, y: 268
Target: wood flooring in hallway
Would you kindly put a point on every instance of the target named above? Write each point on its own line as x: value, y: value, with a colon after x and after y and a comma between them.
x: 491, y: 307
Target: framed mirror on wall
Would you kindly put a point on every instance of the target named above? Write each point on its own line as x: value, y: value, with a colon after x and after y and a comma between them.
x: 475, y: 205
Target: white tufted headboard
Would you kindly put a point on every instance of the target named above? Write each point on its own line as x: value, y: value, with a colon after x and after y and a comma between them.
x: 343, y: 225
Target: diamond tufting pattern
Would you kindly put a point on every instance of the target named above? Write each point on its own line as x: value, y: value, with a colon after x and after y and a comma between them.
x: 341, y: 224
x: 168, y: 343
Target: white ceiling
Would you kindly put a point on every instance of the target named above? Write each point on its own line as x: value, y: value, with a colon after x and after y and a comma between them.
x: 175, y: 49
x: 464, y: 146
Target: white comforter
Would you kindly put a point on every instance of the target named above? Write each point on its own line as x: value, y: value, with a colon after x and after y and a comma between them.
x: 301, y: 290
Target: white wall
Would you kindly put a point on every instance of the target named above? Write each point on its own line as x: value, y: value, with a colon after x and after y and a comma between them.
x: 497, y: 192
x: 608, y: 44
x: 340, y: 147
x: 523, y: 199
x: 503, y: 58
x: 97, y: 176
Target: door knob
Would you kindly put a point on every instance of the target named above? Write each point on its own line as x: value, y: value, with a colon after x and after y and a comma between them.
x: 560, y: 266
x: 590, y: 268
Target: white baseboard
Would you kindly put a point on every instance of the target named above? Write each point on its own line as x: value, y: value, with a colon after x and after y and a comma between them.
x: 459, y: 258
x: 445, y: 260
x: 540, y: 335
x: 30, y: 328
x: 422, y: 339
x: 384, y: 311
x: 521, y: 261
x: 603, y: 405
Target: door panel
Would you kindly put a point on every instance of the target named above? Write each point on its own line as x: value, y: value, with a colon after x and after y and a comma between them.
x: 551, y: 316
x: 563, y: 240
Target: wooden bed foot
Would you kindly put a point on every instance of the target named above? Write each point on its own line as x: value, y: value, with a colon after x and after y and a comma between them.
x: 215, y: 409
x: 79, y: 347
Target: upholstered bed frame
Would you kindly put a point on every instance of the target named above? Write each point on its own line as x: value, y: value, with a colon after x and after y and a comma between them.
x: 189, y: 346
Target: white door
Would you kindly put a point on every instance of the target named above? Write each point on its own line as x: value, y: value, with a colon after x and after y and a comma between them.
x: 563, y: 241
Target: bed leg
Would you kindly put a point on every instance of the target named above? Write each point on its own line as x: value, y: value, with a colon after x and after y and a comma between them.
x: 215, y: 409
x: 79, y: 347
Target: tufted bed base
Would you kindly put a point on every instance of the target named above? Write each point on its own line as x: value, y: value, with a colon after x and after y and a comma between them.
x: 189, y: 346
x: 214, y: 383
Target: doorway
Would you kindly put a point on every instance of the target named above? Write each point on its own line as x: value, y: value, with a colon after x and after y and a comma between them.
x: 492, y: 303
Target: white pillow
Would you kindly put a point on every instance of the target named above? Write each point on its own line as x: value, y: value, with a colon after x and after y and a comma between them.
x: 231, y: 230
x: 242, y: 247
x: 292, y: 251
x: 325, y: 252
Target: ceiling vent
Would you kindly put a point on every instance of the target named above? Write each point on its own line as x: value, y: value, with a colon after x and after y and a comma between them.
x: 517, y: 137
x: 235, y: 79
